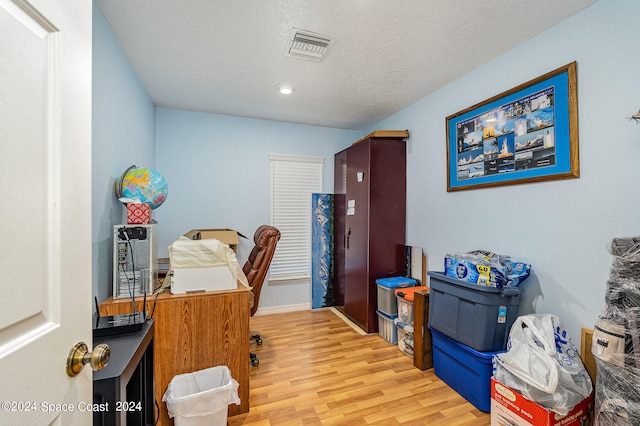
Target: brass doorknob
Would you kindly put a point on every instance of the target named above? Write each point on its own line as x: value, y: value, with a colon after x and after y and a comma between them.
x: 80, y: 355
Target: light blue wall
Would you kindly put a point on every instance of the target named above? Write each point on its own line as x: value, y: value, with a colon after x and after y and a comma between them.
x: 560, y: 227
x: 217, y: 169
x: 123, y: 134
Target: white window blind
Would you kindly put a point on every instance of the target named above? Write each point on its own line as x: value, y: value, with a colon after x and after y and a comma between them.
x: 293, y: 180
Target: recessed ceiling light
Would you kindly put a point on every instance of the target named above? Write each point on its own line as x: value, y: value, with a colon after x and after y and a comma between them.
x: 285, y: 89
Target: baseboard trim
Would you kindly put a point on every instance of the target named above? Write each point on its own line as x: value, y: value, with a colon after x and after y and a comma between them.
x: 350, y: 323
x: 282, y: 309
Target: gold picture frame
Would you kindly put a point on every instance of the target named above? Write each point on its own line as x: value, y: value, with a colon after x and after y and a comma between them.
x: 526, y: 134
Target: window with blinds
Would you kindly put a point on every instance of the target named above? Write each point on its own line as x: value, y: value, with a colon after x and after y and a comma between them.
x: 293, y: 179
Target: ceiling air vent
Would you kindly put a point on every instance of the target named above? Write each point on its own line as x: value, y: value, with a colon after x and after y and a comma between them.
x: 307, y: 45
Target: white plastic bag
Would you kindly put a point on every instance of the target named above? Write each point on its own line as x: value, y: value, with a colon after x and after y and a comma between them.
x: 543, y: 364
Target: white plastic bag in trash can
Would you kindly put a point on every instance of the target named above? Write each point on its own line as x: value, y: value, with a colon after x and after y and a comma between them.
x: 201, y: 397
x: 543, y: 364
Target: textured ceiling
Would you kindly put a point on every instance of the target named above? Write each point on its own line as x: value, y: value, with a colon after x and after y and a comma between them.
x: 227, y: 57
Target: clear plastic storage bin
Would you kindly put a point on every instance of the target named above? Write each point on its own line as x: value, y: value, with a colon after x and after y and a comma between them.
x: 386, y: 328
x: 386, y: 298
x: 404, y: 298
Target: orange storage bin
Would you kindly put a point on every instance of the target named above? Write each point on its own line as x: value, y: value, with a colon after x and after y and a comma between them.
x: 405, y: 303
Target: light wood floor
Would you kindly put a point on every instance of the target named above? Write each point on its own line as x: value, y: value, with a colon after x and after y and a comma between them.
x: 316, y: 370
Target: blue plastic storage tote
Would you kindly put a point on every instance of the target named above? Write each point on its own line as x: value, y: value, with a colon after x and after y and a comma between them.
x: 463, y: 368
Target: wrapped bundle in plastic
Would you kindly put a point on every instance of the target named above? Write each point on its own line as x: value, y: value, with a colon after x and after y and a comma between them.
x: 617, y: 397
x: 626, y: 259
x: 616, y: 339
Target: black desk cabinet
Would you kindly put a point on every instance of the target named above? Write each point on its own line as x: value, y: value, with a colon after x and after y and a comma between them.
x: 126, y: 383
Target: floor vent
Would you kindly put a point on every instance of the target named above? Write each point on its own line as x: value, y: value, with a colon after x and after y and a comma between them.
x: 307, y: 45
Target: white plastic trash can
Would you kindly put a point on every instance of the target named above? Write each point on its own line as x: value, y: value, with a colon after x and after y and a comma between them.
x: 201, y: 397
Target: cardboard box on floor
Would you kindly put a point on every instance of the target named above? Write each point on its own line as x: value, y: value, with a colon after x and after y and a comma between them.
x: 226, y: 235
x: 510, y: 408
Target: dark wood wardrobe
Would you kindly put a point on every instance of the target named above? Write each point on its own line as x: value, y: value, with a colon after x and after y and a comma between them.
x: 370, y: 220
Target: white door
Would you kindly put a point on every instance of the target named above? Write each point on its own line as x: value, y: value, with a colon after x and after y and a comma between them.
x: 45, y: 203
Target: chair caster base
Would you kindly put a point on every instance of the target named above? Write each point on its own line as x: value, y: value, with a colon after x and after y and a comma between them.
x: 257, y: 338
x: 254, y: 360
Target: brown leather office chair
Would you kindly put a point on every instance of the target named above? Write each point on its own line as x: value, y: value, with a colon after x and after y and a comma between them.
x: 255, y: 268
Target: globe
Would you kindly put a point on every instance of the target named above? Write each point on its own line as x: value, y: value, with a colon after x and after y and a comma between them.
x: 143, y: 184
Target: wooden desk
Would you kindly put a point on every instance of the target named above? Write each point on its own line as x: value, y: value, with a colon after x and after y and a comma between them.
x: 196, y: 331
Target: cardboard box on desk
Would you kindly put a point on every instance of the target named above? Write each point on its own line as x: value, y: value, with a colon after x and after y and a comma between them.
x: 510, y: 408
x: 226, y: 235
